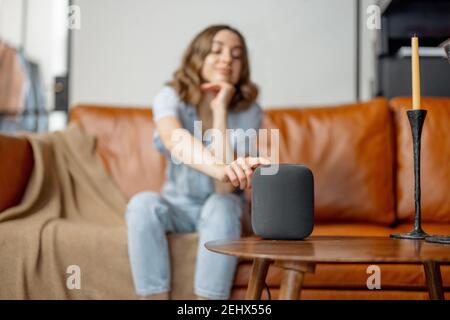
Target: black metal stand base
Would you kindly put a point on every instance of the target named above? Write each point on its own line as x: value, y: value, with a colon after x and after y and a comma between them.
x: 413, y: 235
x: 438, y: 239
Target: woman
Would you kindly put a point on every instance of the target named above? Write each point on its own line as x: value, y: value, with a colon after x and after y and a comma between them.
x: 212, y: 86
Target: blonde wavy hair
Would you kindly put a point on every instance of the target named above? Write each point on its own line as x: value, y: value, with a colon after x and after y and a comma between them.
x: 187, y: 79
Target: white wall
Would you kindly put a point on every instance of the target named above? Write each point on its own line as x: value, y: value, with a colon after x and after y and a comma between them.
x: 302, y: 51
x: 10, y: 18
x: 368, y: 53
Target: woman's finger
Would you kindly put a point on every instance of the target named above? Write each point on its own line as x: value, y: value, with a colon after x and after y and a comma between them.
x: 247, y: 170
x: 240, y: 174
x: 256, y: 161
x: 232, y: 176
x: 209, y: 86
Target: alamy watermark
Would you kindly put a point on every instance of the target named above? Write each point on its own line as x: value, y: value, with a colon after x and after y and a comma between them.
x: 248, y: 143
x: 374, y: 280
x: 373, y: 21
x: 74, y: 17
x: 74, y: 279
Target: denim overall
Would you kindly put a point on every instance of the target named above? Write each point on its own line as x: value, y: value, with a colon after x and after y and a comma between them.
x: 187, y: 203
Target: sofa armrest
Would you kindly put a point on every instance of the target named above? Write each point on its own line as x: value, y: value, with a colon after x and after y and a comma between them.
x: 16, y: 164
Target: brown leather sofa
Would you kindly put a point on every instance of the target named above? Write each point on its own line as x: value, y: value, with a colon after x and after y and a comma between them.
x: 361, y: 157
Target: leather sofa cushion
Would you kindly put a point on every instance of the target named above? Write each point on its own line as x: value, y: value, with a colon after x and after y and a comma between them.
x: 435, y: 160
x: 125, y: 145
x: 16, y: 163
x: 349, y: 149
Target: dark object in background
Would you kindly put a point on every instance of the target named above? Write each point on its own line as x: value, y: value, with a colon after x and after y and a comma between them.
x: 399, y: 21
x: 61, y: 93
x: 446, y: 46
x: 283, y: 203
x: 395, y: 77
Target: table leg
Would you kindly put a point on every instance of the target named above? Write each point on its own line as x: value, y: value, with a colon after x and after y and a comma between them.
x: 257, y: 279
x: 291, y: 285
x: 434, y: 280
x: 292, y: 281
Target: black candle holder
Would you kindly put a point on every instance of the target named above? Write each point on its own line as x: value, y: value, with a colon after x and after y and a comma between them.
x: 438, y: 239
x: 416, y: 119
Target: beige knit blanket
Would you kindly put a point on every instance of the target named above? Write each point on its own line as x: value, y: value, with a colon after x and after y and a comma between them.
x: 69, y: 230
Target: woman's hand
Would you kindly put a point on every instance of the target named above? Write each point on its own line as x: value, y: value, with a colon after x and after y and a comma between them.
x: 240, y: 171
x: 223, y: 91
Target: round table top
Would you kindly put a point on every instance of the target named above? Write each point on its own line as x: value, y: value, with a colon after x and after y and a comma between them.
x: 330, y: 249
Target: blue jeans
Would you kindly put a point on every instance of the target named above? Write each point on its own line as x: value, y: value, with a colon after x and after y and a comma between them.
x: 150, y: 216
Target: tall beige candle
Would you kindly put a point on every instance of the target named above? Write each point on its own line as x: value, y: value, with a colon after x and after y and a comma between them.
x: 415, y: 72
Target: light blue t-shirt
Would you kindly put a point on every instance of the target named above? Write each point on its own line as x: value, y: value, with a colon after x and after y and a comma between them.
x: 182, y: 180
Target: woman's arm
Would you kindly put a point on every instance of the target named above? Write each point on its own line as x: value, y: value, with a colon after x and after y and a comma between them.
x: 220, y: 145
x: 221, y: 148
x: 185, y: 148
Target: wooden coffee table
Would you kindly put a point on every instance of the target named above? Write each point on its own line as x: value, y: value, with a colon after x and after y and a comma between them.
x: 299, y: 257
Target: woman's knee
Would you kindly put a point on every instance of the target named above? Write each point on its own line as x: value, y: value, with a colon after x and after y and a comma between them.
x: 222, y: 208
x: 142, y: 209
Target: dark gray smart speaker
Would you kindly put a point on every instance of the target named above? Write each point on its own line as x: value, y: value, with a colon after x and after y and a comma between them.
x: 283, y: 203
